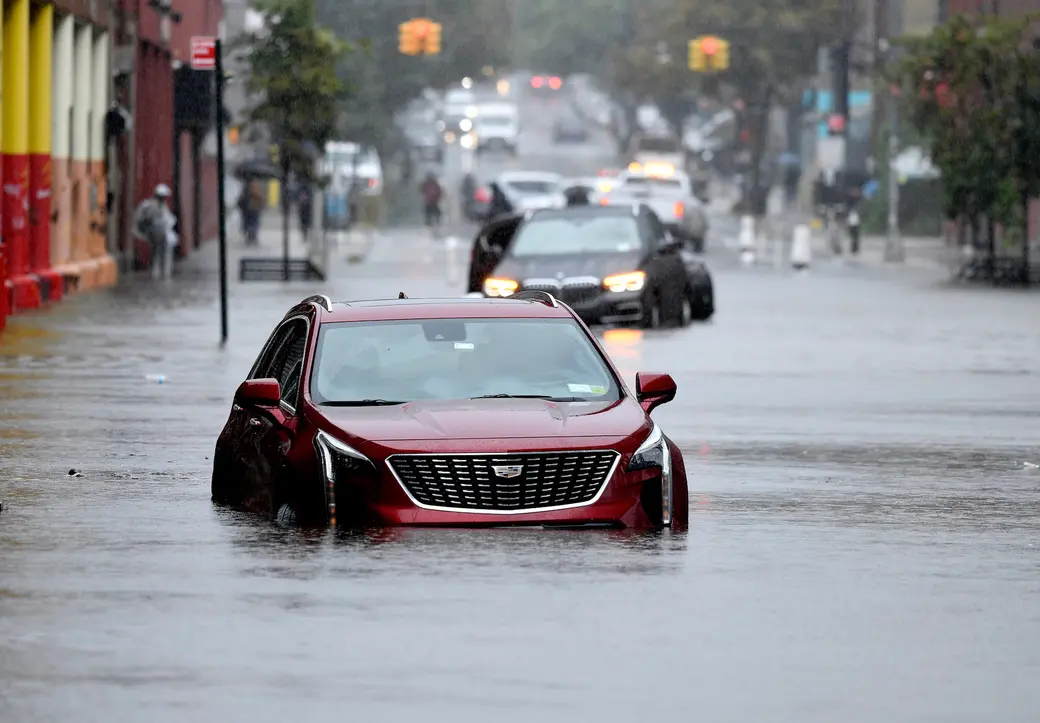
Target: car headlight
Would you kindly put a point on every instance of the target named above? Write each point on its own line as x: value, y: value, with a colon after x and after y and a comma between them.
x: 631, y: 281
x: 500, y: 287
x: 338, y: 457
x: 654, y: 453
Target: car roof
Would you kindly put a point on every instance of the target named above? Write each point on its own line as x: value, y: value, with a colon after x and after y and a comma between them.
x: 451, y: 308
x: 589, y: 211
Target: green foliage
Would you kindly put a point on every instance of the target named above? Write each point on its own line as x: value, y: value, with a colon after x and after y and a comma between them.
x: 973, y: 92
x: 382, y: 80
x: 773, y: 46
x: 293, y: 69
x: 570, y: 36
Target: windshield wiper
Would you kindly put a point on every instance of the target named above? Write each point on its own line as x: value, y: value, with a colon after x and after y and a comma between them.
x: 361, y: 403
x: 547, y: 397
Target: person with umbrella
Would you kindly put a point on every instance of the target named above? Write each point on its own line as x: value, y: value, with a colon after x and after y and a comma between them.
x: 305, y: 209
x: 252, y: 200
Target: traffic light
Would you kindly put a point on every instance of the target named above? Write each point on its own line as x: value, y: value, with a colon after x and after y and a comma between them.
x: 410, y: 42
x: 433, y: 38
x: 709, y: 54
x: 698, y: 62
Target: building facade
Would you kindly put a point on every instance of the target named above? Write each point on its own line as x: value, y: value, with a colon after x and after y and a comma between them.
x: 69, y: 188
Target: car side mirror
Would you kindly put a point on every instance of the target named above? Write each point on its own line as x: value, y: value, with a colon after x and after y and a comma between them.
x: 653, y: 390
x: 258, y: 393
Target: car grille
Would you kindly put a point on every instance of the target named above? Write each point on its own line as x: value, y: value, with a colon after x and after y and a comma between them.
x: 476, y: 482
x: 568, y: 293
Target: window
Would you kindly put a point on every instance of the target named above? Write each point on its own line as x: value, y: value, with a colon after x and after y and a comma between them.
x: 445, y: 359
x: 643, y: 182
x: 532, y: 186
x: 658, y: 145
x: 498, y: 121
x: 283, y: 359
x: 590, y: 234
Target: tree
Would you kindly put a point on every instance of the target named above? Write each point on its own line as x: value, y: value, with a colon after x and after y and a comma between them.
x: 381, y: 80
x: 773, y: 48
x: 975, y: 97
x: 292, y: 68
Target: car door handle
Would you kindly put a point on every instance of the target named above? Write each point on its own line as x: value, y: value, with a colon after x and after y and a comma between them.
x: 254, y: 422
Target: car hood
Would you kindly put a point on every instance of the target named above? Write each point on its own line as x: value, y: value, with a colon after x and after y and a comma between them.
x: 487, y: 419
x: 557, y: 266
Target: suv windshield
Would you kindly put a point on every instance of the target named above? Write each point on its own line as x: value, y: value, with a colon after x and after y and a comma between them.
x: 671, y: 184
x: 614, y: 234
x: 359, y: 363
x: 532, y: 186
x: 496, y: 120
x: 658, y: 145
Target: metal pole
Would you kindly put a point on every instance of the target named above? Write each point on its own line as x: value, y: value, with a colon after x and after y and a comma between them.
x: 221, y: 205
x: 895, y: 252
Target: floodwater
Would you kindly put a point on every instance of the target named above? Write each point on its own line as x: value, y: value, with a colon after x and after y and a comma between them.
x: 863, y: 542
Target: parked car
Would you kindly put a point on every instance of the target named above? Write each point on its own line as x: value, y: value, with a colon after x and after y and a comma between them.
x: 447, y: 412
x: 612, y: 264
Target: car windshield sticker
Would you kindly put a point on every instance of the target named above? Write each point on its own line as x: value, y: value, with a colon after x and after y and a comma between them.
x: 580, y: 388
x: 598, y: 390
x: 464, y: 345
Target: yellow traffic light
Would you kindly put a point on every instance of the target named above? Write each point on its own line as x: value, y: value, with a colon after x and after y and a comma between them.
x: 433, y: 38
x: 697, y: 59
x: 410, y: 42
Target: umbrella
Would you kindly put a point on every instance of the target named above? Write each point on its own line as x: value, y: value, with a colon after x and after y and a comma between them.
x: 257, y: 170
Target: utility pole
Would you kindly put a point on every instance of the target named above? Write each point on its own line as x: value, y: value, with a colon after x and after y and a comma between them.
x: 895, y: 251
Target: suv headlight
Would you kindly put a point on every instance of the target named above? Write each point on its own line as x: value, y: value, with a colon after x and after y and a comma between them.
x: 337, y: 456
x: 655, y: 453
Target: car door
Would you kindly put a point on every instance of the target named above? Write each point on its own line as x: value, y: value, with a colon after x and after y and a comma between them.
x: 489, y: 247
x: 277, y: 431
x: 665, y: 266
x: 238, y: 439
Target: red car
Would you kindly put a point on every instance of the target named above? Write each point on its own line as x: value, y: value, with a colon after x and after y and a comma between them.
x: 447, y: 412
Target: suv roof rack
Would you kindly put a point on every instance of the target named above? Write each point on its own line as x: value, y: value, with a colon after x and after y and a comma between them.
x: 543, y: 297
x: 319, y: 299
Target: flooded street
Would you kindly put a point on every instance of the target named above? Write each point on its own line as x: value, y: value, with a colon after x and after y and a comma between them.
x: 864, y: 541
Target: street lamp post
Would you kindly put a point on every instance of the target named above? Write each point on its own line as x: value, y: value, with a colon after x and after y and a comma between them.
x: 895, y: 251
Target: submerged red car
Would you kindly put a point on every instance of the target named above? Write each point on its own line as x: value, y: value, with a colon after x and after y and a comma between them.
x: 447, y: 412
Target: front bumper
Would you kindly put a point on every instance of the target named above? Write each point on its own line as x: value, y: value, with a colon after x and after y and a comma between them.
x: 610, y: 307
x: 620, y: 503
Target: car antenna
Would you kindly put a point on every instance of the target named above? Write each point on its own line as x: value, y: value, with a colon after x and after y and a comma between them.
x: 402, y: 295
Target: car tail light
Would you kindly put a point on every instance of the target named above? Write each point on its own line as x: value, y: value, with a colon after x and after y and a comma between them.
x: 371, y: 183
x: 604, y: 201
x: 537, y: 82
x: 555, y: 83
x: 679, y: 209
x: 482, y: 195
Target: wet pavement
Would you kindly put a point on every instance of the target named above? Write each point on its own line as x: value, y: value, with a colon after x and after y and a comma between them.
x: 864, y: 541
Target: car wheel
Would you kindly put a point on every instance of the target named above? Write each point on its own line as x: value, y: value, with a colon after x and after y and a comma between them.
x: 703, y: 300
x: 686, y: 309
x: 652, y: 311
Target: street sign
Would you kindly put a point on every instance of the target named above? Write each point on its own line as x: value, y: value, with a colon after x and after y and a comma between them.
x: 203, y: 52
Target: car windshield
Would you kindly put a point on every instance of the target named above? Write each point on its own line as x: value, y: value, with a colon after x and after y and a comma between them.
x: 658, y: 145
x: 642, y: 182
x: 400, y: 361
x: 496, y: 120
x: 339, y: 159
x: 532, y: 186
x: 606, y: 234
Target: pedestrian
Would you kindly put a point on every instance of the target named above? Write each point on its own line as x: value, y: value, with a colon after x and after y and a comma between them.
x: 577, y: 196
x: 305, y: 209
x: 432, y: 193
x: 251, y: 204
x: 154, y: 223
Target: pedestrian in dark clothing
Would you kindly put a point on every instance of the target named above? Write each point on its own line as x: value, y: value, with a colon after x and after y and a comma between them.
x: 305, y: 209
x: 432, y: 193
x: 499, y: 203
x: 577, y: 196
